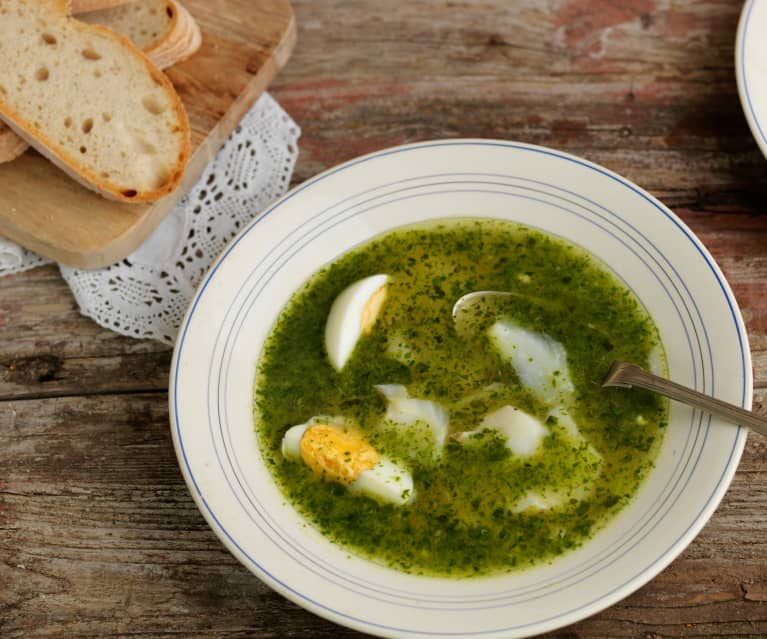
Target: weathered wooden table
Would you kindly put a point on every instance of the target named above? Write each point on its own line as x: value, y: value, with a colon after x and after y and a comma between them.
x: 98, y: 535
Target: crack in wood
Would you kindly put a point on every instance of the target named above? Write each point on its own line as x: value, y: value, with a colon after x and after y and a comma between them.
x: 150, y: 390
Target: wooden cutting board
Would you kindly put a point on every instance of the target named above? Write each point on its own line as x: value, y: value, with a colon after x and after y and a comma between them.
x: 245, y: 43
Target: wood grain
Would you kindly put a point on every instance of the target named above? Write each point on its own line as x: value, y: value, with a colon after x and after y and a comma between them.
x: 244, y: 45
x: 98, y: 536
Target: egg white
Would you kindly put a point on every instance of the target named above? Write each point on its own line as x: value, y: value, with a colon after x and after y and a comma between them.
x: 291, y: 442
x: 408, y: 411
x: 541, y: 501
x: 387, y: 482
x: 399, y: 350
x: 565, y: 421
x: 352, y: 314
x: 539, y: 361
x: 522, y: 433
x: 578, y: 487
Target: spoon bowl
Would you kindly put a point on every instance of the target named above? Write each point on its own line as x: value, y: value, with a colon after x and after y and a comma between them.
x: 471, y: 308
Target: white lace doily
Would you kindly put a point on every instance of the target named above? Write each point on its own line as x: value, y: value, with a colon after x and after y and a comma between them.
x: 14, y: 259
x: 146, y: 294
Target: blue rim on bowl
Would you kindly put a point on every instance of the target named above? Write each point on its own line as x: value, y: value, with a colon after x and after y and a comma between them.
x: 647, y: 246
x: 750, y: 52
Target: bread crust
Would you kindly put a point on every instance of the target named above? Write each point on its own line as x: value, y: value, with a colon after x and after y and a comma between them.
x: 181, y: 40
x: 11, y: 145
x: 68, y: 163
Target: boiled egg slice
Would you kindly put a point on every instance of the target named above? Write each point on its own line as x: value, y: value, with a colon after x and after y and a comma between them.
x: 406, y: 410
x: 337, y: 452
x: 567, y: 423
x: 353, y: 314
x: 543, y: 498
x: 522, y: 433
x: 539, y: 361
x: 541, y: 501
x: 577, y: 486
x: 399, y: 349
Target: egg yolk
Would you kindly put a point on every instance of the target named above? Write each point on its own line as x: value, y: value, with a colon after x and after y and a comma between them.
x: 336, y: 455
x: 371, y: 309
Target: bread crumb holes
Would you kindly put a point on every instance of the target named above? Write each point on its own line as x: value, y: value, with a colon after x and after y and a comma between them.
x: 153, y: 105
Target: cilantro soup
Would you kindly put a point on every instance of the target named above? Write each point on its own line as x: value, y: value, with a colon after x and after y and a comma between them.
x: 445, y: 454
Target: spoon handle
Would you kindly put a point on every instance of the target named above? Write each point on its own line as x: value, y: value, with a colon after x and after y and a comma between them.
x: 628, y: 375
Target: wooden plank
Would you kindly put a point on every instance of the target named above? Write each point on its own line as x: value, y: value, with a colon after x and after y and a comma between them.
x: 658, y: 104
x: 244, y: 45
x: 48, y: 349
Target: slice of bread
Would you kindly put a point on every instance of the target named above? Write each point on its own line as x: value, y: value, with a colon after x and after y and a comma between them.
x: 90, y: 101
x: 164, y: 29
x: 167, y: 33
x: 182, y: 41
x: 11, y: 145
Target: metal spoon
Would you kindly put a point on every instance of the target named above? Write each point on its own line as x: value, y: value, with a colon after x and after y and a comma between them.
x: 626, y: 375
x: 621, y: 374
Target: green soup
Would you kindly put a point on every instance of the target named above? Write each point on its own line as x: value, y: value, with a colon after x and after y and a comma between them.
x: 478, y: 506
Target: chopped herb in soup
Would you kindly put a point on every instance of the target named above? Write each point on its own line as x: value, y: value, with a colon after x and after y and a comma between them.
x: 458, y: 452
